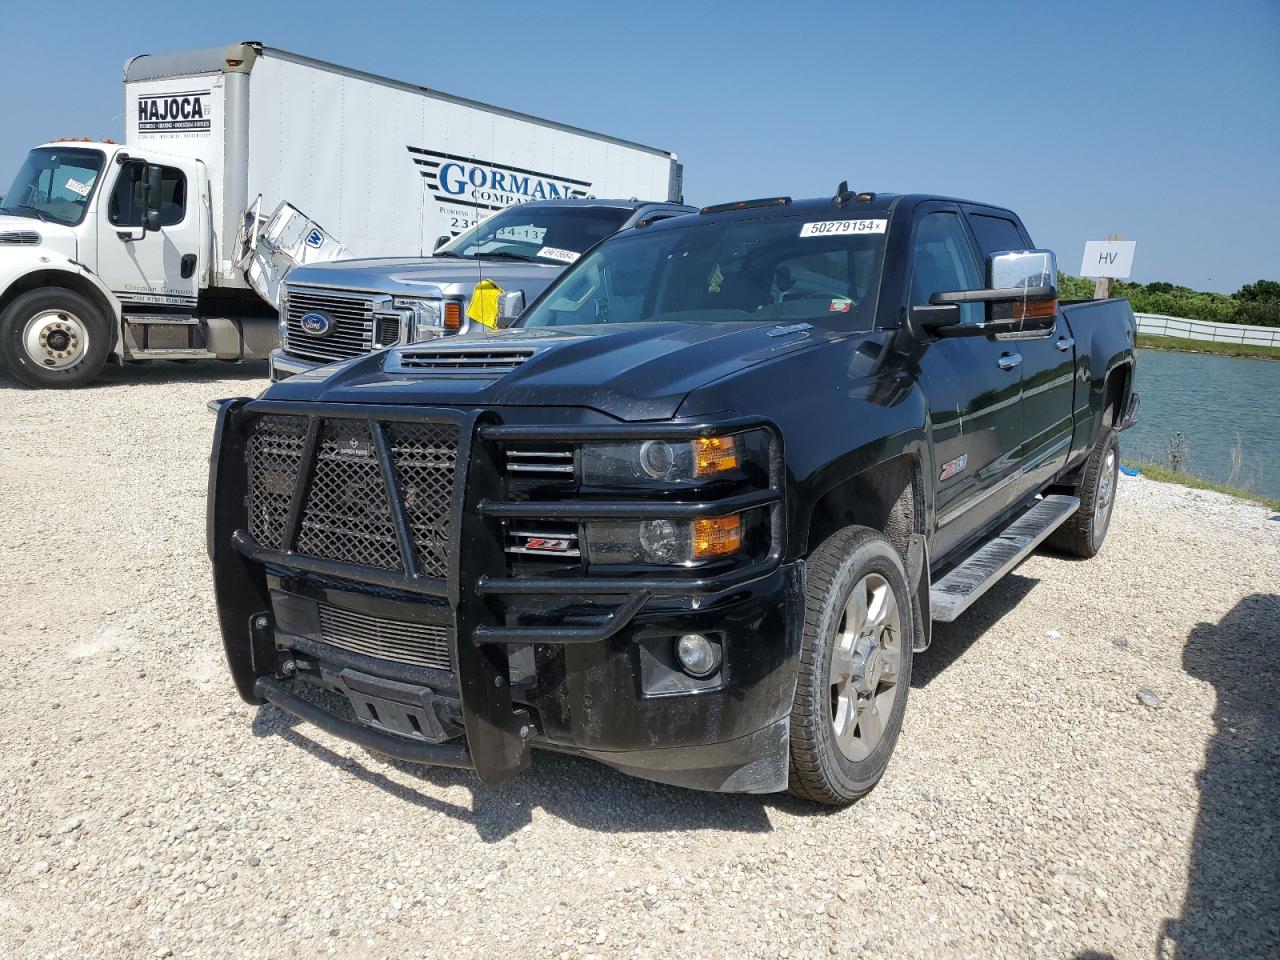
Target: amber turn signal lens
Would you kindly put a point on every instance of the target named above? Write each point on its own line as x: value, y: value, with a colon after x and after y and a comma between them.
x: 452, y: 315
x: 716, y: 536
x: 1029, y: 309
x: 714, y: 455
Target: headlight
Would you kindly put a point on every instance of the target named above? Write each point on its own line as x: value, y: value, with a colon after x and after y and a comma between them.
x: 423, y: 315
x: 283, y: 322
x: 664, y: 461
x: 663, y: 542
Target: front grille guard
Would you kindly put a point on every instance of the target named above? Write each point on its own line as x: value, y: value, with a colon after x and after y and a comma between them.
x: 497, y: 732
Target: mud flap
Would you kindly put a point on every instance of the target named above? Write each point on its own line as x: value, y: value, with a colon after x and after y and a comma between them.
x: 267, y: 248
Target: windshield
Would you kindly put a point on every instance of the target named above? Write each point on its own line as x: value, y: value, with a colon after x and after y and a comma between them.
x: 774, y: 270
x: 54, y: 184
x: 539, y: 234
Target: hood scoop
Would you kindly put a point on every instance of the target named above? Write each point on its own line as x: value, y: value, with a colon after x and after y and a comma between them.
x: 21, y: 238
x: 487, y: 362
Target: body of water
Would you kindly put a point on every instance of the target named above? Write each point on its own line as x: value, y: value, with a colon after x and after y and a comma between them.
x: 1216, y: 403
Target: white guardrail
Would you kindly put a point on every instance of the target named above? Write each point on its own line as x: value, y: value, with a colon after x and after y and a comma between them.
x: 1162, y: 326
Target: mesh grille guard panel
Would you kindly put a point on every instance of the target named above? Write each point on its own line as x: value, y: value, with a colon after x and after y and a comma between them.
x: 347, y: 515
x: 275, y: 459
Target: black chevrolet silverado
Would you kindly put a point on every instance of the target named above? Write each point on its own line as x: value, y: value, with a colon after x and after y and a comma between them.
x: 692, y: 514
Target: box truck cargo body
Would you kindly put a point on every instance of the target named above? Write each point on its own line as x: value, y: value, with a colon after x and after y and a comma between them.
x: 240, y: 162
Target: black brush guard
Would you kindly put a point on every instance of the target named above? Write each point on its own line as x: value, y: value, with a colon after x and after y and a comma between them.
x: 497, y: 732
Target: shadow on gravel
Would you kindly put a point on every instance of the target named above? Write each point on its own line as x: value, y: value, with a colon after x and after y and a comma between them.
x: 952, y: 640
x: 1232, y: 908
x: 581, y: 792
x: 166, y: 371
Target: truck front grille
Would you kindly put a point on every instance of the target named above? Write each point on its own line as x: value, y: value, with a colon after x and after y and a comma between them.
x: 351, y: 330
x: 345, y: 512
x: 420, y: 644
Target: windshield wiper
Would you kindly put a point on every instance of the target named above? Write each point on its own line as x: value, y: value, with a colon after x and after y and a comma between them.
x: 504, y: 255
x: 40, y: 214
x: 450, y: 253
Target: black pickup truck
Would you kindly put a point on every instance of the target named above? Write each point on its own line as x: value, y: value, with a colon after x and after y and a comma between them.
x: 692, y: 514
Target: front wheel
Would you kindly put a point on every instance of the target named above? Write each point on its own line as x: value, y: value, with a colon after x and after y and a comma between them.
x: 855, y: 667
x: 52, y: 337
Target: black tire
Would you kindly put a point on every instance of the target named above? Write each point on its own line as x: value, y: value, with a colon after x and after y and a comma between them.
x: 1083, y: 533
x: 71, y: 320
x: 820, y: 770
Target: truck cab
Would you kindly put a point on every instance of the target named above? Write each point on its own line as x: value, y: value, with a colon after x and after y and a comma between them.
x: 105, y: 253
x: 342, y: 309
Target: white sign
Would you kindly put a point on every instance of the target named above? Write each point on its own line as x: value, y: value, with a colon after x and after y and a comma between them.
x: 1108, y: 258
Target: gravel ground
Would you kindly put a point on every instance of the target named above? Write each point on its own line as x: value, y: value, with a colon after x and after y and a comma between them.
x: 1037, y: 806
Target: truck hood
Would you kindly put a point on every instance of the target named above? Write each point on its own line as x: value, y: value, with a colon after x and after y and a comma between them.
x: 18, y: 232
x: 640, y: 371
x: 426, y: 276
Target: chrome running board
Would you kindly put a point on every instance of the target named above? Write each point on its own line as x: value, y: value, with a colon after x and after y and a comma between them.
x: 953, y: 594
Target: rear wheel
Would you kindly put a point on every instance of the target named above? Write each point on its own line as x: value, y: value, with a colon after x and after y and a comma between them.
x: 1085, y: 530
x: 51, y: 337
x: 855, y: 667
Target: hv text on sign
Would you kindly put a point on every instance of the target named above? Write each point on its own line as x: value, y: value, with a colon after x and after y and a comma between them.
x: 1108, y: 258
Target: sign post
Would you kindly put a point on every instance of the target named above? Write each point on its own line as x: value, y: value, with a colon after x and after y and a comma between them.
x: 1107, y: 259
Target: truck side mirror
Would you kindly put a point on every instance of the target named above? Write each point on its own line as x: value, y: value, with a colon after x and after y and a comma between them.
x: 151, y: 201
x: 440, y: 242
x: 510, y: 306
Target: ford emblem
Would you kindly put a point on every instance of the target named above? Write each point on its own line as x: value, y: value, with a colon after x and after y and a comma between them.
x: 316, y: 324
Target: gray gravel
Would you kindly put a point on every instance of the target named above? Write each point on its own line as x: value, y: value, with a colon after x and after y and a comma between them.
x: 1090, y: 765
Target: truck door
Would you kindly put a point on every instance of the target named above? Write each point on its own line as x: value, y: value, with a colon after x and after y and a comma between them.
x: 1048, y: 369
x: 153, y: 268
x: 972, y: 386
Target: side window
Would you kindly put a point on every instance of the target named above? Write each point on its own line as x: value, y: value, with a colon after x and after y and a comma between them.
x: 942, y: 262
x: 996, y: 234
x: 127, y: 206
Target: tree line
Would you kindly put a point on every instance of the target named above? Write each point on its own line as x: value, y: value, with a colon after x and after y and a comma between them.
x: 1256, y: 304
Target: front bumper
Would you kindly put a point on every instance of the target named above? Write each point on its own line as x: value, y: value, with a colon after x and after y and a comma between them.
x: 598, y: 680
x: 284, y: 366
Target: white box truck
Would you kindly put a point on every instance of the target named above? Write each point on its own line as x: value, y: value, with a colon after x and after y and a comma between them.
x: 155, y: 248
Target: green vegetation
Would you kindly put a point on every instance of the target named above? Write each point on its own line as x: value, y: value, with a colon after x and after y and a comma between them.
x: 1255, y: 304
x: 1154, y: 471
x: 1153, y: 342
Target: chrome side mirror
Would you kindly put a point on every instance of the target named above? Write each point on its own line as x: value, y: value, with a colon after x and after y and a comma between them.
x: 1023, y: 269
x: 510, y: 306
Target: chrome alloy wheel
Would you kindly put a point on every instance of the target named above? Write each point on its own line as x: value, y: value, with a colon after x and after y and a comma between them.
x: 55, y: 339
x: 1105, y: 499
x: 865, y: 661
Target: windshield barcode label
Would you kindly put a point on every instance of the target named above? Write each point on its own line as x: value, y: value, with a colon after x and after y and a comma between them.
x: 831, y: 228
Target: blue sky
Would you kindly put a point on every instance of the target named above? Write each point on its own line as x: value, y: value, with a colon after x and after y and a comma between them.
x: 1158, y: 121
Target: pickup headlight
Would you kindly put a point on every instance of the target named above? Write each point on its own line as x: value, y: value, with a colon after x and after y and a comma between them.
x: 283, y: 320
x: 665, y: 542
x: 662, y: 461
x: 423, y: 316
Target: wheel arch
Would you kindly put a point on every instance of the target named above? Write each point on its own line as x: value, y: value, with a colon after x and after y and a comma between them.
x: 75, y: 281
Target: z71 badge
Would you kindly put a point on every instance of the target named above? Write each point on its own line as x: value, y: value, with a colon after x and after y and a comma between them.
x: 953, y: 467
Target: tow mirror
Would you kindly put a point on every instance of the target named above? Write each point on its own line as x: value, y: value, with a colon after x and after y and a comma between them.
x: 1021, y: 301
x: 151, y: 201
x: 510, y: 306
x: 440, y: 242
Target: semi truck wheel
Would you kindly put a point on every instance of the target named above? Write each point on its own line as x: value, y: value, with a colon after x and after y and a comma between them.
x: 1084, y: 530
x: 51, y: 337
x: 855, y: 667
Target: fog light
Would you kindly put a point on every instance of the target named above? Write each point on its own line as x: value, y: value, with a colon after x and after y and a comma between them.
x: 697, y: 655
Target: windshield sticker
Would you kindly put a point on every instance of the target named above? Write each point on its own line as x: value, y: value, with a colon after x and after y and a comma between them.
x: 78, y: 188
x: 833, y: 228
x: 840, y: 305
x: 555, y: 253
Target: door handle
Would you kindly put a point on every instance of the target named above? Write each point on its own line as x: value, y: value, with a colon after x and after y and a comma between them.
x: 1066, y: 343
x: 1009, y: 361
